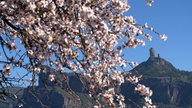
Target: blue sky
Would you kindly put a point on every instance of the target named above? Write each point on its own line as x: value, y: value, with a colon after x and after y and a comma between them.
x: 170, y: 17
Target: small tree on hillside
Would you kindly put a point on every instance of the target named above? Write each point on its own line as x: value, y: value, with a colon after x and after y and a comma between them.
x: 87, y: 37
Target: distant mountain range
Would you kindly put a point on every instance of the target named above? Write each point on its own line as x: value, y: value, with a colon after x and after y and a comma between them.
x: 172, y: 88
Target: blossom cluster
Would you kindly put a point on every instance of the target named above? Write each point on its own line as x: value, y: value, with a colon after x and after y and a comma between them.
x: 82, y: 36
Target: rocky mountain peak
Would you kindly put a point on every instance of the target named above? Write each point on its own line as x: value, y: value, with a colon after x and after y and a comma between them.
x: 152, y: 52
x: 156, y: 65
x: 153, y: 58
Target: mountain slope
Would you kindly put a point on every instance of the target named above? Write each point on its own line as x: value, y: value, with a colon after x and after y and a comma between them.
x: 171, y: 86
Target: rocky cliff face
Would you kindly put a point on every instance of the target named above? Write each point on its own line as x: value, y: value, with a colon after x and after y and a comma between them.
x: 167, y: 93
x: 54, y: 97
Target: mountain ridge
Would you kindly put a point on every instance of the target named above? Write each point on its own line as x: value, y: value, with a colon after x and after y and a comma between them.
x: 171, y: 87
